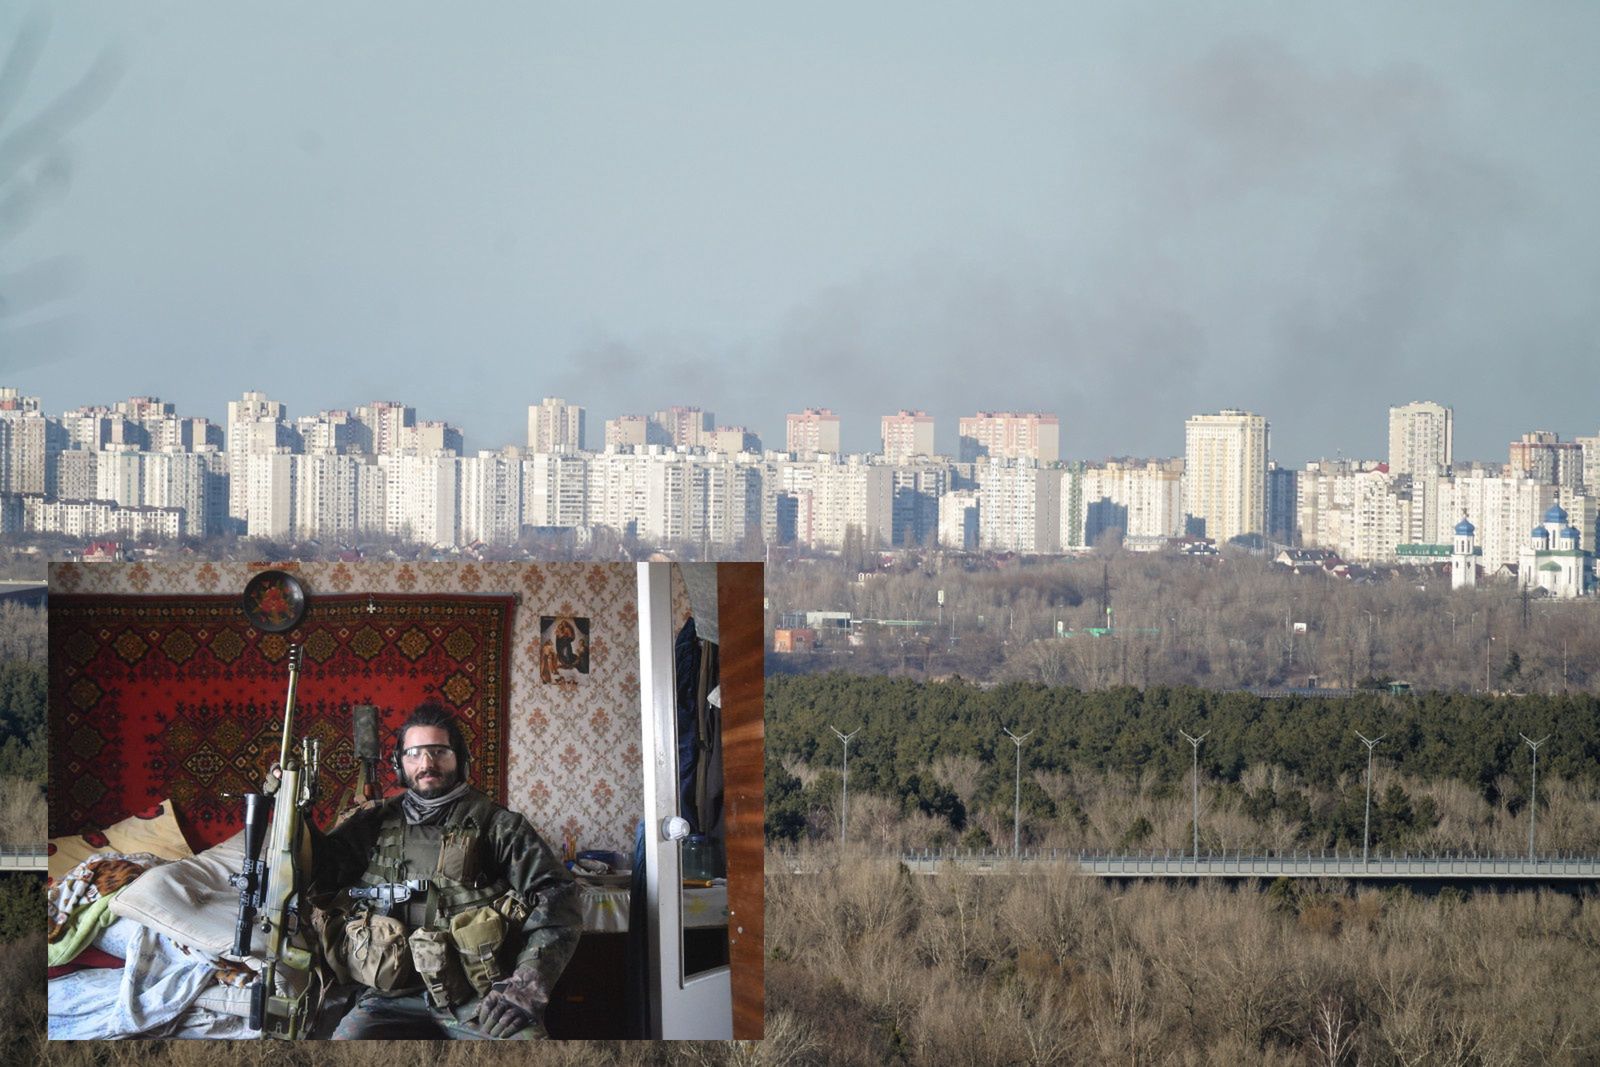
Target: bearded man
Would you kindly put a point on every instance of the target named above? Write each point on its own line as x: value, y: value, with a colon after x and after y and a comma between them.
x: 458, y: 917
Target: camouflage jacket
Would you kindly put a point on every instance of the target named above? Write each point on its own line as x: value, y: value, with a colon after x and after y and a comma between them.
x: 510, y: 854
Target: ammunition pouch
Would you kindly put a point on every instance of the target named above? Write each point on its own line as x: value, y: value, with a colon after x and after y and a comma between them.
x: 478, y: 935
x: 376, y: 953
x: 434, y: 956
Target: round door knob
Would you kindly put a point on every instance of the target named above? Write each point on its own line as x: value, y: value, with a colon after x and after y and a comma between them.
x: 674, y: 828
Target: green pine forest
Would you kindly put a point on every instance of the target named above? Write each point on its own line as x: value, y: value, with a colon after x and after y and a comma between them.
x: 910, y: 728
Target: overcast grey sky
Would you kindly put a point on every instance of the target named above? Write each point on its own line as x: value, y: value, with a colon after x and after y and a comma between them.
x: 1122, y: 213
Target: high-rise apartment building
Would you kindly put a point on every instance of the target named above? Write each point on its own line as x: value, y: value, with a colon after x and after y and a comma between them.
x: 432, y: 435
x: 732, y: 440
x: 1544, y: 457
x: 683, y: 427
x: 256, y: 426
x: 812, y: 430
x: 628, y: 432
x: 1225, y: 473
x: 1358, y: 509
x: 1141, y: 499
x: 555, y: 426
x: 28, y: 441
x: 385, y: 423
x: 329, y: 432
x: 906, y: 434
x: 1010, y: 435
x: 1019, y: 507
x: 1421, y: 437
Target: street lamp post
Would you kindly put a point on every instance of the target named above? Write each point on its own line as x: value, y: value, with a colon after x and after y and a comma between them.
x: 844, y: 789
x: 1016, y: 811
x: 1533, y: 788
x: 1194, y: 743
x: 1366, y: 824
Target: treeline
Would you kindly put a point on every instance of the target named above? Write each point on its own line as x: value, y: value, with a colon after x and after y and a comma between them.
x: 1221, y: 622
x: 939, y: 751
x: 23, y: 729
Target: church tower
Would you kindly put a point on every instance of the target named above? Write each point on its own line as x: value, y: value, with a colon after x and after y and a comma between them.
x: 1463, y: 561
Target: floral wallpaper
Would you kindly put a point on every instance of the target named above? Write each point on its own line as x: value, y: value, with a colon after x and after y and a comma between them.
x: 575, y: 764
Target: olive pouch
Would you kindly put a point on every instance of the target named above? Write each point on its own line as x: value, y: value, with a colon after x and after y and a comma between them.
x: 434, y: 955
x: 458, y: 856
x: 376, y: 952
x: 478, y: 935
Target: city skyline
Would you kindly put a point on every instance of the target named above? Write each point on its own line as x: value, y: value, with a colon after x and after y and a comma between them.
x: 1117, y: 218
x: 774, y: 438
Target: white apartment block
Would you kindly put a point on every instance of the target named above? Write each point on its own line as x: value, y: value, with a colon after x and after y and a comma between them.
x: 627, y: 432
x: 1544, y: 457
x: 1355, y: 508
x: 269, y: 492
x: 25, y: 437
x: 76, y: 477
x: 95, y: 518
x: 330, y: 431
x: 176, y: 478
x: 255, y: 425
x: 835, y: 496
x: 811, y: 431
x: 906, y: 435
x: 1019, y: 507
x: 733, y: 440
x: 1421, y: 438
x: 88, y: 428
x: 491, y: 498
x: 555, y: 489
x: 1503, y: 510
x: 1010, y: 435
x: 384, y: 424
x: 555, y: 426
x: 619, y: 487
x: 682, y: 427
x: 420, y: 494
x: 119, y: 477
x: 958, y: 520
x: 1143, y: 500
x: 432, y: 435
x: 1225, y: 473
x: 337, y: 496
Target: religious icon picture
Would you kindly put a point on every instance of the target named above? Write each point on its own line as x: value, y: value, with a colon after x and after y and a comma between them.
x: 563, y: 649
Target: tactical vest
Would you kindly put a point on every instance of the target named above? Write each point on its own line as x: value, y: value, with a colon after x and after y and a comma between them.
x: 449, y: 854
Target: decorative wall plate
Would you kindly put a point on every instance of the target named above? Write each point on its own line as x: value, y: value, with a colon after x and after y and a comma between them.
x: 274, y: 601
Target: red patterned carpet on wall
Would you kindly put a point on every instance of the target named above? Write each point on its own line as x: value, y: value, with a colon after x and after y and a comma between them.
x: 178, y: 696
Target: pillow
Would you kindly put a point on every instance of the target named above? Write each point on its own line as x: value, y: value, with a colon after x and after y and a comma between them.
x: 153, y: 830
x: 191, y: 902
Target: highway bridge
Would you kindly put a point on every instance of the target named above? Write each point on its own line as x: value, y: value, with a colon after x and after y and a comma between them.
x: 1377, y: 867
x: 22, y: 858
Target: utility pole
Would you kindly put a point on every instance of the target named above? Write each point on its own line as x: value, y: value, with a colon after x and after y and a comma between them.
x: 1016, y: 811
x: 1366, y: 825
x: 844, y: 789
x: 1533, y: 788
x: 1194, y: 743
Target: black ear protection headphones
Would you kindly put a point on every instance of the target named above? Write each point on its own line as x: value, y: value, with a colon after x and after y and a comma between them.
x: 458, y: 745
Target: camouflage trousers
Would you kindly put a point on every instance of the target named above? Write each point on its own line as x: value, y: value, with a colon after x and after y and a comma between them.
x: 377, y: 1017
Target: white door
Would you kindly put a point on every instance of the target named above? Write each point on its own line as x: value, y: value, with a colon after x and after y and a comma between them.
x: 685, y: 1007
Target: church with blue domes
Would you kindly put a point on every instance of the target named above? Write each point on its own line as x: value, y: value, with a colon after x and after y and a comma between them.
x: 1553, y: 558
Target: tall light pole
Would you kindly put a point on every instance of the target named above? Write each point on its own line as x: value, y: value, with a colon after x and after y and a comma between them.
x: 1533, y: 789
x: 1366, y: 824
x: 844, y: 789
x: 1016, y: 811
x: 1194, y: 742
